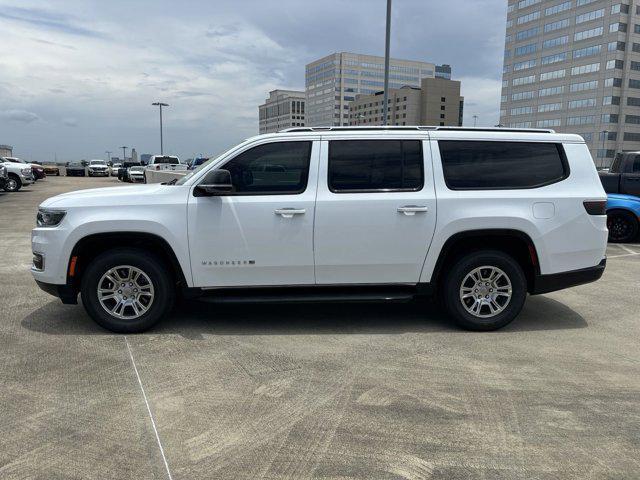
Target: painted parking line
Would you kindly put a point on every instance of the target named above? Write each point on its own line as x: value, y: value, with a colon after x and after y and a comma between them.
x: 628, y: 249
x: 146, y: 402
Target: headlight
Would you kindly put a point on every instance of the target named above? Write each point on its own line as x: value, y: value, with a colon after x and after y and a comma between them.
x: 26, y: 171
x: 50, y: 218
x: 3, y: 171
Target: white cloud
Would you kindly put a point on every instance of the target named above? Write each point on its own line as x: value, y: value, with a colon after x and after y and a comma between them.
x: 19, y: 116
x: 481, y: 98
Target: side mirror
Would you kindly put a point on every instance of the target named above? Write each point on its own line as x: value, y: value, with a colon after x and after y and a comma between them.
x: 217, y: 182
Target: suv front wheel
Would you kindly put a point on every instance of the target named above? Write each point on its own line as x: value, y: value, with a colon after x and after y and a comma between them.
x: 484, y: 290
x: 127, y: 290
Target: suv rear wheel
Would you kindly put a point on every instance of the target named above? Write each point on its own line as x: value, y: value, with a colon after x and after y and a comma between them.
x: 127, y: 290
x: 13, y: 183
x: 484, y: 290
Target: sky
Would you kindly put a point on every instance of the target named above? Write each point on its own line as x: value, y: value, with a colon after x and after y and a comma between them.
x: 77, y: 77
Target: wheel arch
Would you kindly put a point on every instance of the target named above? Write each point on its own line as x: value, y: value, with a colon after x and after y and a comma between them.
x: 516, y: 243
x: 90, y: 246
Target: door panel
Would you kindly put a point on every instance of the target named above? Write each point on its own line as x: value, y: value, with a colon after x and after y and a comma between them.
x: 372, y: 237
x: 255, y: 239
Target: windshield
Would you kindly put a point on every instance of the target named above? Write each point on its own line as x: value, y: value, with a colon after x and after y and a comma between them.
x: 170, y: 160
x: 136, y: 169
x: 97, y: 162
x: 190, y: 174
x: 75, y: 164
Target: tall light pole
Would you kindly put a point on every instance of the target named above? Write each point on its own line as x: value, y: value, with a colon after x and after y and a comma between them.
x: 108, y: 152
x: 124, y: 154
x: 160, y: 104
x: 604, y: 153
x: 387, y: 48
x: 475, y: 120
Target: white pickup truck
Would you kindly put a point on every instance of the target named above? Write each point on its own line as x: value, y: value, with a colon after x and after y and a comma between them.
x: 166, y: 162
x: 478, y: 217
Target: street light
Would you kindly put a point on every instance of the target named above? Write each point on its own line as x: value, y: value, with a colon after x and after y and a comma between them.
x: 160, y: 104
x: 124, y: 154
x: 108, y: 152
x: 604, y: 153
x: 475, y: 120
x: 387, y: 47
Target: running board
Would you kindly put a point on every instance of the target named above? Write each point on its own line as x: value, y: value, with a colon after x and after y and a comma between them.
x: 310, y: 295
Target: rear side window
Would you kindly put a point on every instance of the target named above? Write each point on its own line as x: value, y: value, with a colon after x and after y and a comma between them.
x: 375, y: 165
x: 271, y: 168
x: 636, y: 164
x: 479, y: 165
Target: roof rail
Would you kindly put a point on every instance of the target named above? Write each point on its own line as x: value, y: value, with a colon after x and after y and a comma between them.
x: 415, y: 128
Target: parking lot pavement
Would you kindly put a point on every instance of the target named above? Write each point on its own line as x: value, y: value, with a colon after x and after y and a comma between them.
x: 330, y: 391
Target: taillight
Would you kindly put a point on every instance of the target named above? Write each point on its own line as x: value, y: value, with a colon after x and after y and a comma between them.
x: 597, y: 207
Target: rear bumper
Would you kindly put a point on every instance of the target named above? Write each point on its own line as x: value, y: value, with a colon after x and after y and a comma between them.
x: 559, y: 281
x: 67, y: 293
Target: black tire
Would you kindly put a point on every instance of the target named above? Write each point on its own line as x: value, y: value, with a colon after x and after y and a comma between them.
x: 156, y: 271
x: 453, y: 283
x: 13, y: 183
x: 622, y: 225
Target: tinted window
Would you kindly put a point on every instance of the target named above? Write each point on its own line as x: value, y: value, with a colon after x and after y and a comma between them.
x: 500, y: 165
x: 169, y: 160
x: 280, y: 167
x: 370, y: 165
x: 636, y: 164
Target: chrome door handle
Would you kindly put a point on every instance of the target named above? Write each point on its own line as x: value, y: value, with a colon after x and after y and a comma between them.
x: 289, y: 212
x: 412, y: 209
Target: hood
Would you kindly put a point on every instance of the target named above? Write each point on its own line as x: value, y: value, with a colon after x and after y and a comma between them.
x: 112, y: 196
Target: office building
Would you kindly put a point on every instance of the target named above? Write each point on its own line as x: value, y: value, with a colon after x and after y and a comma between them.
x: 436, y: 102
x: 283, y: 109
x: 332, y: 82
x: 574, y: 66
x: 6, y: 151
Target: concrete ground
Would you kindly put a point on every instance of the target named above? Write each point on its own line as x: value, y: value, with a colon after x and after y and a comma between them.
x: 331, y: 391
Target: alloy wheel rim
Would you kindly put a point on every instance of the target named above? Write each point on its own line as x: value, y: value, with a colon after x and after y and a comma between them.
x: 485, y: 291
x: 125, y: 292
x: 618, y: 227
x: 12, y: 184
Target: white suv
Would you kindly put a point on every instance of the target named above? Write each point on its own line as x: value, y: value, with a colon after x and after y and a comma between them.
x: 479, y: 217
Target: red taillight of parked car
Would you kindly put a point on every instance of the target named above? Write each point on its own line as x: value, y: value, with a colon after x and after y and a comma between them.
x: 597, y: 207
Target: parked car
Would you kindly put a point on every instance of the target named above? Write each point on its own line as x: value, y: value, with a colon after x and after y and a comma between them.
x: 338, y: 214
x: 624, y: 174
x: 51, y: 169
x: 98, y: 168
x: 197, y: 162
x: 123, y: 172
x: 115, y: 169
x: 75, y: 169
x: 4, y: 177
x: 623, y: 217
x: 36, y: 169
x: 18, y: 175
x: 136, y: 174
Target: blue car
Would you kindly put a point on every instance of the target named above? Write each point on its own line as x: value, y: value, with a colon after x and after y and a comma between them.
x: 623, y: 217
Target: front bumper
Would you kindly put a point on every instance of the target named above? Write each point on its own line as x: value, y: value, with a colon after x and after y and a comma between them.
x: 559, y: 281
x: 95, y: 173
x: 27, y: 179
x: 67, y: 293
